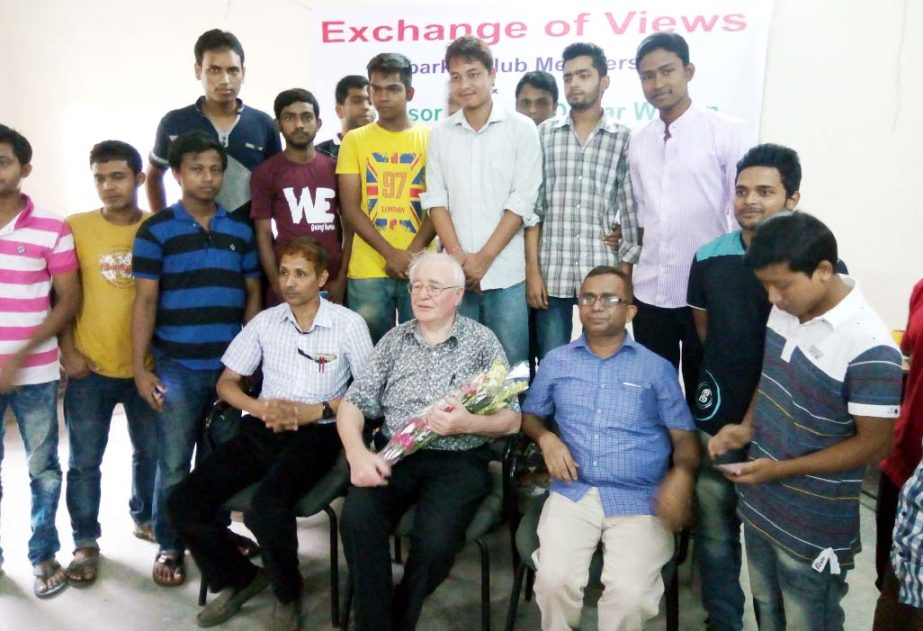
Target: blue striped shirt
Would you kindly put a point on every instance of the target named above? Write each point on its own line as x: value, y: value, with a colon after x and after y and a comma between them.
x: 201, y: 275
x: 816, y: 377
x: 614, y: 415
x: 907, y: 550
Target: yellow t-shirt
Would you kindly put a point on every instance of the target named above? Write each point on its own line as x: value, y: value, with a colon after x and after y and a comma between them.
x: 103, y: 327
x: 391, y: 166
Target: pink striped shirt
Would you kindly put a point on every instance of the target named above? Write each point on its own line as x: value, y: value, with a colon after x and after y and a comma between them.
x: 34, y: 246
x: 684, y: 191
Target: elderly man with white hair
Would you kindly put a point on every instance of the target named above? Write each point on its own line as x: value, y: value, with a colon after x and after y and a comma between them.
x: 413, y: 365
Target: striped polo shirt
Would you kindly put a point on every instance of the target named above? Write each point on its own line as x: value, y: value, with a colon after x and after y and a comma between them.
x: 201, y: 274
x: 816, y: 378
x: 34, y: 247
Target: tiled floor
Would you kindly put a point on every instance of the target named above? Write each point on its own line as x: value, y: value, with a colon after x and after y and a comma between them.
x: 125, y: 598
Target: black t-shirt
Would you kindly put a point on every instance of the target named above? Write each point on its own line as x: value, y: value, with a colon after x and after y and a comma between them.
x: 732, y: 356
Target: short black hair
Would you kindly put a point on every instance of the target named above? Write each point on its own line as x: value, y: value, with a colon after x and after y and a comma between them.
x: 216, y: 39
x: 670, y: 42
x: 782, y: 159
x: 472, y: 48
x: 609, y: 270
x: 539, y: 80
x: 391, y: 63
x: 796, y: 238
x: 21, y: 147
x: 109, y: 150
x: 346, y: 84
x: 295, y: 95
x: 594, y: 52
x: 194, y: 142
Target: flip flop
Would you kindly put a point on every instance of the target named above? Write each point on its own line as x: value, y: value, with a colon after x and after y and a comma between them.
x: 82, y: 572
x: 175, y: 565
x: 144, y: 532
x: 42, y: 573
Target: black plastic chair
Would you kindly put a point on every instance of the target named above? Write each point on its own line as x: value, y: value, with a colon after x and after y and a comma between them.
x: 319, y: 498
x: 492, y: 511
x: 525, y: 542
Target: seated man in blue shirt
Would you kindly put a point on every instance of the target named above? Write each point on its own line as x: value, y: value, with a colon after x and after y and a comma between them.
x: 620, y: 412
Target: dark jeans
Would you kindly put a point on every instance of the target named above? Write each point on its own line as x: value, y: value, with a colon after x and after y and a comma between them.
x: 885, y: 516
x: 88, y: 406
x: 671, y: 333
x: 890, y: 613
x: 447, y: 487
x: 286, y: 465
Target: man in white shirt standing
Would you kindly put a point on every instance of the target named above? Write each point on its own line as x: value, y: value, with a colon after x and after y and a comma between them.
x: 683, y: 166
x: 483, y: 172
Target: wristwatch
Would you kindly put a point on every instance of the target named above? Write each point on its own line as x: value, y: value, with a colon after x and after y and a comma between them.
x: 328, y: 412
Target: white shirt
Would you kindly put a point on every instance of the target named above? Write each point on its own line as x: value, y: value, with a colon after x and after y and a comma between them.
x: 684, y: 190
x: 305, y: 366
x: 477, y: 175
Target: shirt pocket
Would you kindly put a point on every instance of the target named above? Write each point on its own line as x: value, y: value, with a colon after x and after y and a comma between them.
x: 630, y: 404
x: 500, y: 174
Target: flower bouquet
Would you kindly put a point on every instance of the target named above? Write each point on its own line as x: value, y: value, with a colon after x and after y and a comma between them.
x: 484, y: 394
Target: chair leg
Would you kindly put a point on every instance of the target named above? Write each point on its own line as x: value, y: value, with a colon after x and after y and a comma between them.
x: 203, y: 591
x: 530, y: 584
x: 672, y: 597
x: 334, y: 568
x: 514, y: 597
x: 485, y: 584
x: 348, y: 605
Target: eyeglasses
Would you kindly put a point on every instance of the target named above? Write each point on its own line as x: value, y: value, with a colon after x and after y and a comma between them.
x: 430, y: 289
x: 608, y: 300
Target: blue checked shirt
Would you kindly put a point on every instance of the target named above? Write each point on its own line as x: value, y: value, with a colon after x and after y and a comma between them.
x: 907, y: 550
x: 614, y: 415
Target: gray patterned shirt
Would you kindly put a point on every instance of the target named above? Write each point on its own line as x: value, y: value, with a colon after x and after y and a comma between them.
x: 585, y: 189
x: 405, y: 375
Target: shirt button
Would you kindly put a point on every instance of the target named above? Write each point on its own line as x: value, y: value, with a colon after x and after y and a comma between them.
x: 594, y: 463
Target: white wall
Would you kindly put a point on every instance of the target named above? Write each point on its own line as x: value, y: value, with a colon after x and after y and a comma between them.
x: 841, y: 88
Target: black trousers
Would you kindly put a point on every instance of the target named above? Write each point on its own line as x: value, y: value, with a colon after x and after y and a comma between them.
x: 447, y: 487
x: 286, y: 465
x: 885, y: 516
x: 671, y: 334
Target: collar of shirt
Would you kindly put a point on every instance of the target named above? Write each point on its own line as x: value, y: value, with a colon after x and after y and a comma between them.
x: 844, y: 309
x: 629, y: 343
x: 498, y: 114
x: 24, y: 215
x: 454, y: 334
x: 606, y: 123
x: 686, y: 119
x: 321, y: 318
x: 180, y: 212
x: 200, y: 103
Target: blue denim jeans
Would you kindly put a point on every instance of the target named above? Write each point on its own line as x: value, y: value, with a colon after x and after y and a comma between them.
x: 36, y: 411
x: 189, y: 393
x: 88, y: 406
x: 788, y: 593
x: 377, y: 300
x: 717, y: 546
x: 554, y: 325
x: 504, y: 312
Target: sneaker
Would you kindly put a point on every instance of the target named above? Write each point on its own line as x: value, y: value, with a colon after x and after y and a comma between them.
x: 230, y: 600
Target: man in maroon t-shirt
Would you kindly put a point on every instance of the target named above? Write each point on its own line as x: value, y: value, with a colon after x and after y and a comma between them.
x: 294, y: 194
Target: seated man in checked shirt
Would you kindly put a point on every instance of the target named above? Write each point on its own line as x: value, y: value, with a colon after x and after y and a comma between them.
x: 620, y: 412
x: 309, y: 349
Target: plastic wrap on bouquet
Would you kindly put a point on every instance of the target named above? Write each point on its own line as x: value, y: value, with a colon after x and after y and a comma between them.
x: 483, y: 394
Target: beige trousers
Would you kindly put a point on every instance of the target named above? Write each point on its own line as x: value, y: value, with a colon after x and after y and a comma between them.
x: 635, y: 549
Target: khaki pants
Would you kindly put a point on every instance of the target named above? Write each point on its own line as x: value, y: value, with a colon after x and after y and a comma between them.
x: 635, y: 549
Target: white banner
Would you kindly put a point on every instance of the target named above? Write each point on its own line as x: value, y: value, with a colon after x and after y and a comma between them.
x: 727, y: 42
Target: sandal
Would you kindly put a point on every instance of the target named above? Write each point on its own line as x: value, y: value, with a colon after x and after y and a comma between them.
x: 144, y: 531
x: 248, y: 547
x: 174, y: 566
x: 83, y: 569
x: 44, y: 572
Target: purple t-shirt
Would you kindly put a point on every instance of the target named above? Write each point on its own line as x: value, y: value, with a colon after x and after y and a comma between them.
x: 302, y: 201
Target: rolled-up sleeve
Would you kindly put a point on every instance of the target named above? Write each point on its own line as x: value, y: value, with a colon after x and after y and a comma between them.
x: 437, y: 193
x: 527, y: 172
